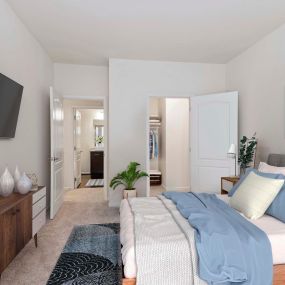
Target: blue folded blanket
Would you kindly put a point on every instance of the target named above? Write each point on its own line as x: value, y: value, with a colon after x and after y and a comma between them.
x: 231, y: 250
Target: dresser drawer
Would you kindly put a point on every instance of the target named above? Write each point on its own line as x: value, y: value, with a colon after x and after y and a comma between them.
x: 39, y: 194
x: 39, y: 221
x: 39, y: 206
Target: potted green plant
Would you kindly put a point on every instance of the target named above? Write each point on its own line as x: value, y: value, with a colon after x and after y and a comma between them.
x: 99, y: 140
x: 128, y: 179
x: 247, y: 149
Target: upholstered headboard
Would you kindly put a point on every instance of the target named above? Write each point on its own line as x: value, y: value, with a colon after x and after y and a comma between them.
x: 276, y: 160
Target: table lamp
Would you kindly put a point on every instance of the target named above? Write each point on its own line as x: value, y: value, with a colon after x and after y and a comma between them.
x: 232, y: 151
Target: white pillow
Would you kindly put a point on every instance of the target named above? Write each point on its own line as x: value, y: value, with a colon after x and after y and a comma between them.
x: 255, y: 194
x: 264, y: 167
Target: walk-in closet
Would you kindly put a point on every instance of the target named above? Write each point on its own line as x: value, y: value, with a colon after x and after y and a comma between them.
x: 168, y: 144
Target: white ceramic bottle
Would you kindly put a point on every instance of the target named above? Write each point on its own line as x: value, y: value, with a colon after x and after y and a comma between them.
x: 6, y: 183
x: 24, y: 184
x: 17, y: 176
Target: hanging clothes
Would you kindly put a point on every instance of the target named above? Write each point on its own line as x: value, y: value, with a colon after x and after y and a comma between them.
x: 153, y: 144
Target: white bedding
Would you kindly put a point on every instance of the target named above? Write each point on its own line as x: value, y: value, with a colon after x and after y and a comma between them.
x: 271, y: 226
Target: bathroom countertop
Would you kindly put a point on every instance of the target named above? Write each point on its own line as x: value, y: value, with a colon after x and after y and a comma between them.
x: 97, y: 149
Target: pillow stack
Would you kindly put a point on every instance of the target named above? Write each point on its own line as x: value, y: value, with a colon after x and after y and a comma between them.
x: 260, y: 191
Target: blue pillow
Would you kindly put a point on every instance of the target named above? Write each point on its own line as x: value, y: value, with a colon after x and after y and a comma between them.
x: 277, y: 207
x: 249, y: 170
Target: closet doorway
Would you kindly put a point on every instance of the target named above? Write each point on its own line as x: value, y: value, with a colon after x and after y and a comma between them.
x: 168, y: 145
x: 188, y: 141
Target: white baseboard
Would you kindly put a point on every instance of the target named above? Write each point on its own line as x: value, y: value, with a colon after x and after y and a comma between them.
x: 66, y: 189
x: 177, y: 188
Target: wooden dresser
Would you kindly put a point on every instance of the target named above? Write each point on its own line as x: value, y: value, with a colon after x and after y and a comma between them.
x: 15, y: 226
x: 21, y: 217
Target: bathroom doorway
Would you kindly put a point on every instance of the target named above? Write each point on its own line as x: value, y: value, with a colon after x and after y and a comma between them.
x: 85, y: 144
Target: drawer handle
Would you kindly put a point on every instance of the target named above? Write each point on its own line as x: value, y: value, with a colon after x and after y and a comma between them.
x: 18, y: 210
x: 13, y: 213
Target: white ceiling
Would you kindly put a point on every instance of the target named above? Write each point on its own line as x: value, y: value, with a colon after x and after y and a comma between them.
x: 91, y: 31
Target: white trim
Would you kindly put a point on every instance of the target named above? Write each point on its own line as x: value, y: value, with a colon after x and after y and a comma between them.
x: 178, y: 189
x: 90, y: 98
x: 106, y: 131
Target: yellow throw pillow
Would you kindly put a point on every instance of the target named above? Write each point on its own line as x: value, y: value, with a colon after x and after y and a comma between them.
x: 255, y: 195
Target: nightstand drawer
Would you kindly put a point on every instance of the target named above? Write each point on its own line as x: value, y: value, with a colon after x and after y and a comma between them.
x: 227, y: 185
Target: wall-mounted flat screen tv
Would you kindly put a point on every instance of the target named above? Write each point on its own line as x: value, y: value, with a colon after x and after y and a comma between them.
x: 10, y: 100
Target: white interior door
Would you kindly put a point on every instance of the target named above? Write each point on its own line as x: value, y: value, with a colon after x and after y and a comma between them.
x: 77, y: 148
x: 56, y: 159
x: 213, y: 127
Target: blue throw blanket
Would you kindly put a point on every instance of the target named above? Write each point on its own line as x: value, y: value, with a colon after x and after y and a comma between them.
x: 231, y: 250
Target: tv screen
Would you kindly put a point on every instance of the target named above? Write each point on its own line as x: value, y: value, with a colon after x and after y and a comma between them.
x: 10, y: 100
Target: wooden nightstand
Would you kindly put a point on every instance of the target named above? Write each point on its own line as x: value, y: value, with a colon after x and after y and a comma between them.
x: 227, y: 183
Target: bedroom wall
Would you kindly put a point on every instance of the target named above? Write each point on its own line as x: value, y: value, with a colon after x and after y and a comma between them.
x: 24, y: 60
x: 259, y: 76
x: 72, y: 80
x: 177, y: 172
x: 131, y: 83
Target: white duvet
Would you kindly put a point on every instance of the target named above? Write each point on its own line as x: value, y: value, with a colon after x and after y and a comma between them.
x: 271, y: 226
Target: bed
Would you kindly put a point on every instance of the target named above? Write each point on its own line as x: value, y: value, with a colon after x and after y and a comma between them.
x: 274, y: 229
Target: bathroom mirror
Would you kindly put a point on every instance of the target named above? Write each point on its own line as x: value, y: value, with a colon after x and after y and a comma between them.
x: 99, y: 135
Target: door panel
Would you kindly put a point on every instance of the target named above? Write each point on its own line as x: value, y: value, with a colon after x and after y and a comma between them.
x: 77, y: 168
x: 77, y: 148
x: 24, y: 223
x: 8, y: 248
x: 214, y: 126
x: 56, y: 160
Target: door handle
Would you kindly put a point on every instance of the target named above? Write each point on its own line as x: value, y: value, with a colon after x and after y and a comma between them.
x: 54, y: 159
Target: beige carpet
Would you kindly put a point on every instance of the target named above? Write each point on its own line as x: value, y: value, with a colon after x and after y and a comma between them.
x: 34, y: 265
x: 156, y: 190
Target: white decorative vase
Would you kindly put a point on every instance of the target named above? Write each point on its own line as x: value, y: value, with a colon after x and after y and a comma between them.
x: 6, y: 183
x: 130, y: 193
x: 24, y: 185
x: 17, y: 176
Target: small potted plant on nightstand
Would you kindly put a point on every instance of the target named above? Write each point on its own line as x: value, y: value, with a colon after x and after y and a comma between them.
x: 128, y: 179
x: 247, y: 152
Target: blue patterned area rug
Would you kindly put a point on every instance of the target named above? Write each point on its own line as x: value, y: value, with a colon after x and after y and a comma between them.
x: 92, y: 255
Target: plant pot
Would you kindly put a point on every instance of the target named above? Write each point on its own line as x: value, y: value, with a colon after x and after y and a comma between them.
x: 130, y: 193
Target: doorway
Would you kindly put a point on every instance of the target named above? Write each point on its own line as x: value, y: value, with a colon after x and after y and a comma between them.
x: 188, y: 140
x: 168, y: 145
x: 85, y: 140
x: 88, y: 160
